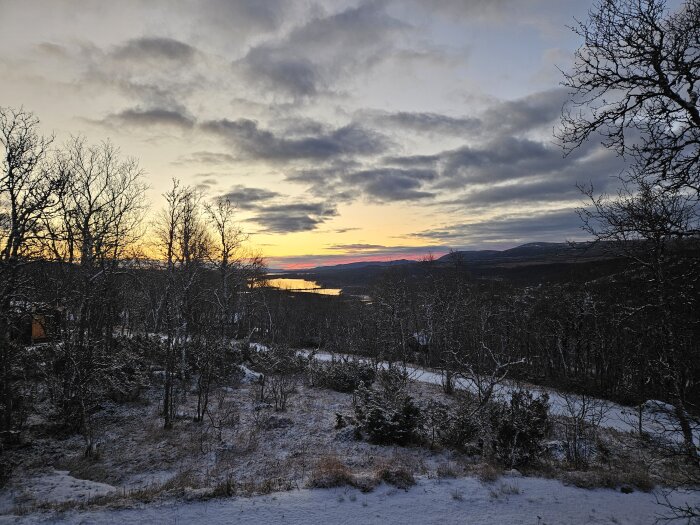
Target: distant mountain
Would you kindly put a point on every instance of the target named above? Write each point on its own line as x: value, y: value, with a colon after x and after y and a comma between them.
x: 529, y: 263
x: 534, y: 251
x: 360, y: 264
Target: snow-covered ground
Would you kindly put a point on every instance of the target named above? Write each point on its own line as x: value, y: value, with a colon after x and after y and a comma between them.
x: 511, y: 500
x: 657, y: 416
x: 265, y: 452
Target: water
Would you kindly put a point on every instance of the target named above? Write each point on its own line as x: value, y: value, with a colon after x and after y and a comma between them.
x: 301, y: 285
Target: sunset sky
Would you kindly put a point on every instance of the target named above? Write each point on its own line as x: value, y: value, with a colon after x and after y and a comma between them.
x: 342, y: 130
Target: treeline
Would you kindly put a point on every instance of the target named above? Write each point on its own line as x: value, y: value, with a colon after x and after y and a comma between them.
x: 616, y: 336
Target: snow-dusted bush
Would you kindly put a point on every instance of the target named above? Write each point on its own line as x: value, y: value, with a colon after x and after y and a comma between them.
x: 393, y: 381
x: 462, y: 426
x: 519, y: 428
x: 436, y: 418
x: 342, y: 375
x: 387, y: 416
x: 281, y: 368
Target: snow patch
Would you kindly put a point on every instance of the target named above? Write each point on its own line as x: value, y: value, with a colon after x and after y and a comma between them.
x: 519, y: 500
x: 58, y: 486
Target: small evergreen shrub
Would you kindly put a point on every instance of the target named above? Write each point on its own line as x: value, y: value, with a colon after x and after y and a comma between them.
x: 387, y: 417
x: 341, y: 375
x: 519, y: 428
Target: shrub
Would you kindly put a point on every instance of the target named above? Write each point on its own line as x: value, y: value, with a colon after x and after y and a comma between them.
x: 397, y: 476
x: 280, y: 367
x: 583, y: 415
x: 341, y: 375
x: 437, y: 420
x: 330, y: 472
x: 387, y: 417
x: 393, y: 381
x: 488, y: 473
x: 463, y: 427
x: 519, y: 428
x: 610, y: 479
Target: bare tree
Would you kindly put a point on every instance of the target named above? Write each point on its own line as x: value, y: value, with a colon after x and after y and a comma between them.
x: 182, y: 238
x: 28, y: 190
x: 28, y: 185
x: 635, y: 81
x: 101, y: 210
x: 226, y: 253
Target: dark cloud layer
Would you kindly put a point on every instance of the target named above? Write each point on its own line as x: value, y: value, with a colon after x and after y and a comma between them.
x: 150, y: 117
x: 315, y: 56
x: 391, y: 184
x: 274, y: 214
x: 428, y: 123
x: 252, y: 141
x: 552, y: 225
x: 249, y: 198
x: 289, y: 218
x: 155, y: 48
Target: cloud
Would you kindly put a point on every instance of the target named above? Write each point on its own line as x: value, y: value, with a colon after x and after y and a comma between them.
x: 249, y: 198
x: 152, y: 71
x: 356, y: 247
x: 289, y: 218
x: 428, y: 123
x: 391, y: 184
x: 255, y: 142
x: 527, y: 113
x: 347, y: 183
x: 510, y: 229
x: 322, y: 52
x: 471, y: 9
x: 154, y: 48
x: 413, y: 161
x: 207, y: 157
x: 138, y: 117
x: 244, y: 14
x: 272, y: 67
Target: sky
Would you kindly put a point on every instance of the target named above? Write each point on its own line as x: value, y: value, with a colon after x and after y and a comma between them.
x: 341, y: 130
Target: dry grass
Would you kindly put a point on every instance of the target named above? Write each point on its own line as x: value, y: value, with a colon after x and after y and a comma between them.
x: 396, y: 475
x: 503, y: 490
x: 448, y: 470
x: 609, y: 479
x: 82, y: 467
x: 330, y: 472
x: 488, y: 473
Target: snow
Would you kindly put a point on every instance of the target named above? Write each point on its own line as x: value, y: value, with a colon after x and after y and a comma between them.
x: 657, y: 417
x: 57, y: 486
x: 249, y: 376
x: 258, y: 347
x: 513, y: 500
